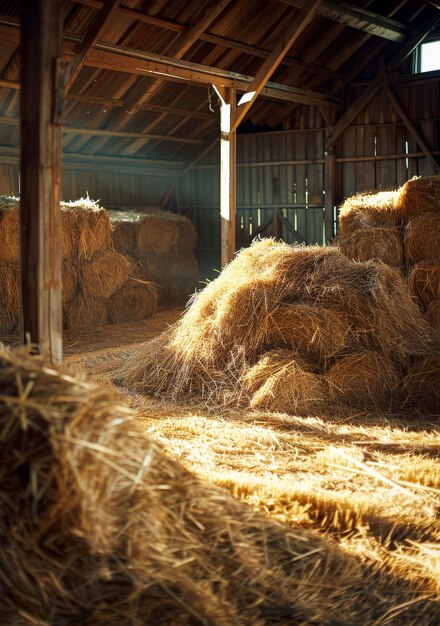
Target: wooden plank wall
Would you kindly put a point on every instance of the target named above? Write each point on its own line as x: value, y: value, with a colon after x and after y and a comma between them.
x: 377, y: 151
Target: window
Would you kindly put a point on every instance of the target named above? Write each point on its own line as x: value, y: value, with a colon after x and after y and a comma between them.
x: 427, y: 57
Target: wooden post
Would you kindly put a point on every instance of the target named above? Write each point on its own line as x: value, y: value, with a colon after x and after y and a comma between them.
x: 329, y: 186
x: 227, y: 173
x: 42, y: 94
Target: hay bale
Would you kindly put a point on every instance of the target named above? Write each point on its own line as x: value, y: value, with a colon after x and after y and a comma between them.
x: 420, y: 387
x: 9, y: 230
x: 88, y: 226
x: 432, y: 314
x: 69, y: 280
x: 9, y: 287
x: 86, y: 311
x: 135, y: 301
x: 155, y: 268
x: 424, y: 281
x: 314, y: 332
x: 422, y: 238
x: 8, y: 320
x: 124, y: 236
x: 182, y: 267
x: 186, y: 235
x: 383, y: 244
x: 104, y: 274
x: 363, y: 379
x: 282, y: 381
x: 157, y: 234
x: 368, y: 210
x: 228, y: 325
x: 135, y: 269
x: 98, y: 526
x: 418, y: 195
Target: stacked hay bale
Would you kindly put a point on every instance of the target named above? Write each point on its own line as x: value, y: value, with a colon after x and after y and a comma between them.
x: 162, y: 244
x: 94, y: 277
x: 409, y: 221
x: 295, y: 329
x: 99, y: 526
x: 370, y: 228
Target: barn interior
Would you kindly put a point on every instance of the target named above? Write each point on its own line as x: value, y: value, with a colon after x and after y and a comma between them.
x: 220, y: 312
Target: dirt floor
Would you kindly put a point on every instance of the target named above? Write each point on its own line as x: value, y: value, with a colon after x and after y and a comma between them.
x: 372, y: 482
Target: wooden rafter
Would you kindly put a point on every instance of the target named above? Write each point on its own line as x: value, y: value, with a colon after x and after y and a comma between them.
x: 410, y: 126
x: 133, y: 61
x: 103, y: 132
x: 294, y: 30
x: 89, y: 40
x: 359, y: 18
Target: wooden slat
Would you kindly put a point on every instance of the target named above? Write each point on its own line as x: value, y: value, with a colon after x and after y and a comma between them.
x: 360, y: 18
x: 411, y: 128
x: 98, y: 25
x: 41, y: 118
x: 301, y: 21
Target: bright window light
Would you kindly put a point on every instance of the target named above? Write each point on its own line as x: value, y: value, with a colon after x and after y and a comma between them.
x: 430, y: 56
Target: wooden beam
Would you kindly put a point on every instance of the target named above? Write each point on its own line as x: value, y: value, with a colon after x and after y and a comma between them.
x: 137, y: 16
x: 410, y: 126
x: 329, y: 197
x: 301, y: 21
x: 133, y: 61
x: 353, y: 111
x: 263, y: 53
x: 42, y: 96
x: 227, y: 174
x: 89, y: 40
x: 103, y: 132
x: 415, y: 41
x: 360, y: 19
x: 190, y: 35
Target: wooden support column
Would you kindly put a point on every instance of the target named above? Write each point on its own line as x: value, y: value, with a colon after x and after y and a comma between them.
x: 42, y: 94
x: 329, y: 198
x: 228, y: 176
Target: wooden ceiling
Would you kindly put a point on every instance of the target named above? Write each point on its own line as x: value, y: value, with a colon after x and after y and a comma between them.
x: 140, y: 73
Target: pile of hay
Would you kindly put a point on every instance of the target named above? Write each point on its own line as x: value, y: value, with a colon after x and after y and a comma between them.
x: 92, y: 272
x: 98, y: 526
x: 282, y: 327
x: 163, y: 245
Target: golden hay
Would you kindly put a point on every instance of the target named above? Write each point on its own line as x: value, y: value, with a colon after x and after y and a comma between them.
x: 8, y: 320
x: 366, y: 210
x: 136, y: 300
x: 9, y: 232
x: 86, y: 311
x: 124, y: 236
x: 88, y: 226
x: 69, y: 280
x: 420, y: 388
x: 418, y: 195
x: 363, y: 379
x: 313, y: 331
x: 157, y: 234
x: 383, y: 244
x: 424, y: 281
x: 432, y: 314
x: 182, y: 267
x: 282, y: 381
x: 186, y: 234
x: 98, y: 526
x: 9, y: 286
x: 229, y: 324
x: 104, y: 274
x: 135, y: 269
x: 422, y: 238
x: 155, y: 268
